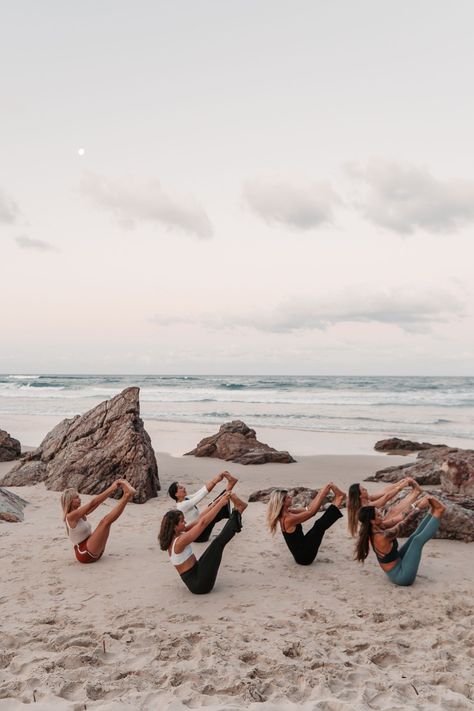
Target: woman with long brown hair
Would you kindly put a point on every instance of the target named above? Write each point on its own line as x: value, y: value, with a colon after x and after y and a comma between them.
x: 358, y: 496
x: 89, y: 545
x: 303, y: 547
x: 175, y: 537
x: 400, y: 564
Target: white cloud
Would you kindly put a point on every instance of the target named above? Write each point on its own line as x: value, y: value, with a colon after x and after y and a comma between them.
x: 131, y: 203
x: 29, y: 243
x: 404, y: 198
x: 414, y: 312
x: 9, y: 210
x: 302, y: 208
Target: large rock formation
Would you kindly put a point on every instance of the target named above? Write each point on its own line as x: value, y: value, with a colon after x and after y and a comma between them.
x: 11, y: 506
x: 10, y: 448
x: 453, y: 469
x: 238, y: 443
x: 457, y: 522
x: 426, y: 469
x: 90, y: 451
x: 457, y: 473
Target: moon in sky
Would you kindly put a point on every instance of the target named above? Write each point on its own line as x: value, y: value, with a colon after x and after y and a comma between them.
x: 81, y: 151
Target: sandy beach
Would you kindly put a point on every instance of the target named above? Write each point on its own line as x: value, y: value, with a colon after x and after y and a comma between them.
x: 126, y: 633
x: 213, y: 212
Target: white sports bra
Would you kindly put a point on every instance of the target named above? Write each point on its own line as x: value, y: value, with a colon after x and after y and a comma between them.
x: 82, y: 530
x: 180, y: 558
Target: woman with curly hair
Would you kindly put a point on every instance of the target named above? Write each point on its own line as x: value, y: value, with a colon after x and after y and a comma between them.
x: 280, y: 512
x: 89, y: 545
x: 176, y: 538
x: 358, y: 496
x: 400, y: 564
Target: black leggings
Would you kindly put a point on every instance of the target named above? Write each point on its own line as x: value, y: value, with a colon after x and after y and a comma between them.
x: 224, y: 512
x: 304, y: 547
x: 202, y: 576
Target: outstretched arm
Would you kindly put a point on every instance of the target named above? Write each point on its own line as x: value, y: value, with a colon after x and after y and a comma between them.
x: 403, y: 506
x: 215, y: 480
x: 74, y: 516
x: 231, y: 482
x: 293, y: 519
x: 191, y: 501
x: 394, y: 530
x: 194, y: 531
x: 191, y: 525
x: 382, y: 497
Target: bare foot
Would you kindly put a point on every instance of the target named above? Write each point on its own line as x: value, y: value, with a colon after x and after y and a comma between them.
x: 423, y: 503
x: 339, y: 496
x: 437, y: 508
x: 231, y: 480
x: 127, y: 488
x: 238, y: 503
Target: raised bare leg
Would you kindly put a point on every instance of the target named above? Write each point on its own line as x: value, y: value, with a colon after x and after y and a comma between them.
x: 238, y: 503
x: 98, y: 538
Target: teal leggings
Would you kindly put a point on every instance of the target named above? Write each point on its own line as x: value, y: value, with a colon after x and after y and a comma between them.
x: 404, y: 573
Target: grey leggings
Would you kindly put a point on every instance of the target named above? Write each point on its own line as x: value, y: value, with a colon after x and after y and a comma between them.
x: 404, y: 573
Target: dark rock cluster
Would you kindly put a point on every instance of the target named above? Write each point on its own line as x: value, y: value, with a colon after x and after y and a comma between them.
x: 235, y: 442
x: 10, y: 448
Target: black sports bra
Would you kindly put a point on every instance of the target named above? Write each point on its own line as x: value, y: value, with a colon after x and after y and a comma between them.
x: 387, y: 557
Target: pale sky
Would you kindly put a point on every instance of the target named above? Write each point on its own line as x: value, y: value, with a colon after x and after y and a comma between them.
x: 237, y: 187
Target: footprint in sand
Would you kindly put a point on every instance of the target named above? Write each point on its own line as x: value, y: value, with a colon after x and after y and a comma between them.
x: 385, y: 659
x: 5, y: 659
x: 178, y: 619
x: 356, y: 648
x: 249, y: 657
x: 293, y: 650
x: 70, y: 691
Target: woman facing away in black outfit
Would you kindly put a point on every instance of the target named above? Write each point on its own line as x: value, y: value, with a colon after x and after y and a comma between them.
x: 304, y: 547
x: 175, y: 537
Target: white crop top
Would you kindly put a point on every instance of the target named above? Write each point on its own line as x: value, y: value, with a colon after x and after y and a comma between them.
x: 180, y: 558
x: 82, y: 531
x: 188, y: 506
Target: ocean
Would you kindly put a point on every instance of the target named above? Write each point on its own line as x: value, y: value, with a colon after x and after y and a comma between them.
x: 436, y: 408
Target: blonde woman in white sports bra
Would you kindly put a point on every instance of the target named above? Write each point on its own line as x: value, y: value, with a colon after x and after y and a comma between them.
x: 88, y: 544
x: 176, y: 537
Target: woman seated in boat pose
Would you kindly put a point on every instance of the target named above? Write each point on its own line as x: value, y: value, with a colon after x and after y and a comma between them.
x: 188, y: 504
x: 304, y: 547
x: 358, y: 496
x: 88, y: 544
x: 400, y: 564
x: 176, y: 538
